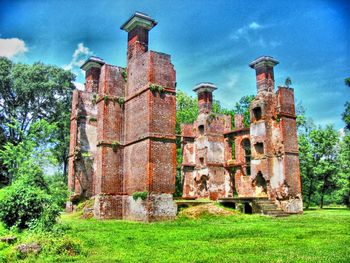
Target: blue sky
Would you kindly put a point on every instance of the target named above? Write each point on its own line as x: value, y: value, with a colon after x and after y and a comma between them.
x: 208, y: 41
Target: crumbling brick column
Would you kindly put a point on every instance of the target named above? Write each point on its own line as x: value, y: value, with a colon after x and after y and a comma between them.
x: 205, y: 96
x: 204, y: 150
x: 275, y: 162
x: 263, y: 66
x: 150, y: 112
x: 109, y: 186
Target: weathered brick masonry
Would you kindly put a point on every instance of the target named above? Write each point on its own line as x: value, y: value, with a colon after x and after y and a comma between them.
x: 122, y: 139
x: 255, y: 163
x: 123, y: 132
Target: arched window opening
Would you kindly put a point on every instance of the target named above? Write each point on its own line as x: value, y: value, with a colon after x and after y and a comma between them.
x: 232, y: 143
x: 257, y: 113
x: 259, y: 148
x: 247, y: 155
x: 261, y: 182
x: 201, y: 129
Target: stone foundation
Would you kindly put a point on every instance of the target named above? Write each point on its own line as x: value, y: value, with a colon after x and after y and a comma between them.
x: 156, y: 207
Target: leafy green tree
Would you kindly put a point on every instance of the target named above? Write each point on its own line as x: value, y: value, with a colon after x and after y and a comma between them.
x: 33, y: 92
x: 30, y: 201
x: 344, y: 179
x: 308, y: 177
x: 345, y: 153
x: 304, y: 124
x: 346, y: 115
x: 242, y: 107
x: 288, y: 82
x: 32, y: 153
x: 186, y: 110
x: 325, y: 159
x: 347, y: 82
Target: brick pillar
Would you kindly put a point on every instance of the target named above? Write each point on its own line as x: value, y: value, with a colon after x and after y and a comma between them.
x: 149, y: 126
x: 73, y: 141
x: 137, y: 27
x: 263, y: 66
x: 109, y: 159
x: 205, y: 96
x: 239, y: 121
x: 92, y: 68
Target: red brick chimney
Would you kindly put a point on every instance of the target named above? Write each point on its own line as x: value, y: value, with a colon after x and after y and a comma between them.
x: 263, y: 66
x: 92, y: 68
x: 137, y: 27
x: 205, y: 96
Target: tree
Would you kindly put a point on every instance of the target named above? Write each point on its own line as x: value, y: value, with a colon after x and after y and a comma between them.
x: 288, y: 82
x: 347, y: 82
x: 325, y: 157
x: 346, y: 113
x: 304, y: 124
x: 242, y: 107
x: 344, y: 156
x: 186, y: 110
x: 306, y: 158
x: 34, y: 92
x: 30, y: 201
x: 345, y: 153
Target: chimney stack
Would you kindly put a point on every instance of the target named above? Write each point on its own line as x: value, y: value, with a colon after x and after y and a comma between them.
x: 137, y: 27
x: 205, y: 96
x: 263, y: 66
x: 92, y: 68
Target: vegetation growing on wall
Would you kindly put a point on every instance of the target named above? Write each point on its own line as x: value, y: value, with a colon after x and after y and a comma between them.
x: 141, y: 195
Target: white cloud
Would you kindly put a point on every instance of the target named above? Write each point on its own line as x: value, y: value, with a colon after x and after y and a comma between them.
x: 254, y: 25
x: 10, y: 47
x: 244, y: 31
x: 232, y: 80
x: 80, y: 55
x: 251, y: 33
x: 79, y: 86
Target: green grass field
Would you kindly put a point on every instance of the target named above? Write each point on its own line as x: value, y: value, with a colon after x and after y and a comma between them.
x: 315, y: 236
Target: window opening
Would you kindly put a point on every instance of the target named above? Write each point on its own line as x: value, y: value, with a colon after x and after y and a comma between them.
x: 247, y: 156
x: 201, y: 129
x: 257, y: 113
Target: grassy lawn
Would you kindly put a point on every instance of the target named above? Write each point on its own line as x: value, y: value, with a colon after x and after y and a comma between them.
x: 315, y: 236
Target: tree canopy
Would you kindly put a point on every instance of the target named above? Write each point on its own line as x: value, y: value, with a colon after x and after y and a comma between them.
x: 29, y: 93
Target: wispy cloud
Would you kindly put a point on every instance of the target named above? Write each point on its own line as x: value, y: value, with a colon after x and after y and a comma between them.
x: 254, y: 25
x: 252, y: 34
x: 244, y: 31
x: 80, y: 55
x: 11, y: 47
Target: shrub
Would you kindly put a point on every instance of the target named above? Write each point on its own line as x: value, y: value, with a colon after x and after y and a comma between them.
x: 121, y: 101
x: 156, y: 88
x: 125, y: 75
x: 115, y: 145
x: 28, y: 204
x: 142, y: 195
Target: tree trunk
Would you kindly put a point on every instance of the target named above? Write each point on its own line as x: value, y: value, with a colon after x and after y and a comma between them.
x: 65, y: 167
x: 309, y: 194
x: 323, y: 191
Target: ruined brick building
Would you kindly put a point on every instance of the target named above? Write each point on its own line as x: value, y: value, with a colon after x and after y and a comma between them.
x: 122, y: 139
x: 122, y: 142
x: 257, y: 166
